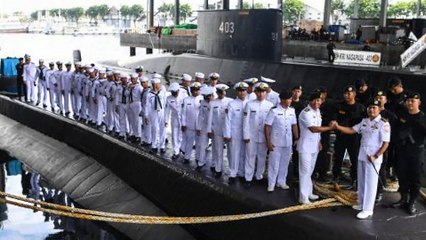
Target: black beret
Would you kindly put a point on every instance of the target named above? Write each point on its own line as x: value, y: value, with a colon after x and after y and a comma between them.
x: 414, y: 95
x: 373, y: 103
x: 315, y: 95
x: 349, y: 88
x: 393, y: 82
x: 285, y: 94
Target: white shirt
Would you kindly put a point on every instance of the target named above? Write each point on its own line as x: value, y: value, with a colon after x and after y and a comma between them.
x: 66, y: 81
x: 233, y: 125
x: 281, y: 121
x: 217, y: 117
x: 154, y: 103
x: 135, y: 93
x: 273, y: 97
x: 173, y: 108
x: 30, y: 70
x: 254, y: 120
x: 203, y: 116
x: 190, y: 110
x: 309, y: 141
x: 373, y: 134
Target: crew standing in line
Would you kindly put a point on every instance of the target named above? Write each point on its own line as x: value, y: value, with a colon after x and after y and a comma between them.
x: 201, y: 153
x: 255, y: 113
x: 375, y: 137
x: 20, y: 85
x: 309, y: 145
x: 154, y: 115
x: 281, y: 120
x: 172, y: 116
x: 41, y: 83
x: 29, y: 75
x: 233, y: 133
x: 411, y: 136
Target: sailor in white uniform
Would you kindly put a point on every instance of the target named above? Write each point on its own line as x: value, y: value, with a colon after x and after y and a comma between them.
x: 29, y: 76
x: 49, y: 84
x: 213, y: 81
x: 66, y: 88
x: 199, y: 77
x: 189, y: 116
x: 41, y: 83
x: 172, y: 115
x: 146, y: 131
x: 250, y: 91
x: 233, y: 132
x: 201, y: 153
x: 216, y: 124
x: 375, y: 137
x: 309, y: 145
x: 57, y: 86
x: 135, y: 107
x: 280, y: 127
x: 255, y: 113
x: 111, y: 87
x: 75, y: 84
x: 121, y: 97
x: 154, y: 115
x: 271, y: 95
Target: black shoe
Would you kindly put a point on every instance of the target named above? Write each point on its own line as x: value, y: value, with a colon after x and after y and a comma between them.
x: 217, y: 174
x: 67, y: 113
x: 37, y: 103
x: 213, y: 169
x: 153, y: 150
x: 162, y: 150
x: 231, y: 180
x: 120, y: 137
x: 60, y: 112
x: 182, y: 151
x: 175, y: 156
x: 198, y: 168
x: 247, y: 184
x: 402, y: 203
x: 44, y: 106
x: 138, y: 140
x: 411, y: 209
x: 379, y: 197
x: 52, y: 109
x: 185, y: 161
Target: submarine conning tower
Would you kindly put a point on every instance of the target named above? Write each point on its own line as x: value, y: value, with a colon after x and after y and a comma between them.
x: 253, y: 34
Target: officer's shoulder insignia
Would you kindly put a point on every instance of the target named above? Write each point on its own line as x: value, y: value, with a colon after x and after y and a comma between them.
x: 226, y: 111
x: 384, y: 119
x: 273, y: 107
x: 306, y: 110
x: 342, y: 112
x: 402, y: 120
x: 245, y: 113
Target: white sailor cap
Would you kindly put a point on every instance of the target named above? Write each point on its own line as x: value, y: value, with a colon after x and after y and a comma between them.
x: 143, y: 79
x: 102, y: 71
x: 109, y: 74
x: 267, y: 80
x: 221, y: 87
x: 40, y: 60
x: 251, y: 81
x: 214, y: 75
x: 135, y: 75
x: 139, y: 69
x: 27, y: 56
x: 51, y: 64
x: 207, y: 90
x: 195, y: 86
x: 124, y: 75
x: 239, y: 86
x: 174, y: 87
x: 77, y: 63
x: 261, y: 86
x: 116, y: 72
x: 68, y: 64
x: 199, y: 75
x: 90, y: 70
x: 155, y: 80
x: 58, y: 63
x: 156, y: 75
x: 87, y: 66
x: 186, y: 77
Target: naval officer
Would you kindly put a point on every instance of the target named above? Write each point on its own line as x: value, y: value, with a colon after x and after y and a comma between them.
x: 281, y: 120
x: 41, y: 83
x: 172, y: 115
x: 309, y: 145
x: 29, y: 76
x: 233, y: 134
x: 375, y: 137
x: 255, y: 113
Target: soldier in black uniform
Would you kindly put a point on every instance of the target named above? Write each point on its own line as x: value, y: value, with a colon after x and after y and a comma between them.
x: 20, y: 80
x: 349, y: 113
x: 411, y: 135
x: 396, y: 95
x: 364, y: 93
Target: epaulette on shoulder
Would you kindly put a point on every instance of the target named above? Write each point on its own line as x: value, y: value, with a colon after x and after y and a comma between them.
x: 384, y: 119
x: 306, y: 110
x: 274, y: 107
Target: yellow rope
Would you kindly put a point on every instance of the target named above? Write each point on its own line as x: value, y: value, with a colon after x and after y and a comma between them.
x: 339, y: 198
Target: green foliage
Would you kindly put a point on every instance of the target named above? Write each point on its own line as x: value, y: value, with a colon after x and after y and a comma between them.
x: 293, y: 10
x: 125, y: 10
x: 367, y: 9
x: 247, y: 5
x: 185, y: 10
x: 74, y: 13
x: 34, y: 15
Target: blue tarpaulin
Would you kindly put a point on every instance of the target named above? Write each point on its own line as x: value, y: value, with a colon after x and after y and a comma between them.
x: 14, y: 167
x: 8, y: 67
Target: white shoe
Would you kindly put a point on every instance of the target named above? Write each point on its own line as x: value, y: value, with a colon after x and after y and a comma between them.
x: 357, y: 207
x: 313, y: 197
x: 283, y: 186
x: 305, y: 202
x: 364, y: 215
x: 270, y: 189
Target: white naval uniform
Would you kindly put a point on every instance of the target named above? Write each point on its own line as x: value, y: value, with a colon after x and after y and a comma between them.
x: 273, y: 97
x: 98, y: 105
x: 233, y: 129
x: 308, y: 148
x: 41, y: 84
x: 29, y: 76
x: 253, y: 129
x: 110, y: 93
x: 135, y: 123
x: 215, y: 125
x: 66, y: 89
x: 172, y: 115
x: 75, y: 96
x: 201, y: 153
x: 190, y: 110
x: 373, y: 134
x: 121, y: 105
x: 281, y: 121
x: 51, y: 80
x: 154, y: 111
x: 57, y: 88
x: 146, y: 130
x: 184, y: 92
x: 84, y: 79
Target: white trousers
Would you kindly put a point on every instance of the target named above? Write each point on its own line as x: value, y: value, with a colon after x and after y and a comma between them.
x: 236, y: 157
x: 306, y: 168
x: 255, y: 154
x: 217, y: 152
x: 134, y: 119
x: 189, y: 137
x: 367, y: 183
x: 59, y: 99
x: 42, y: 90
x: 30, y: 90
x: 122, y: 118
x: 176, y: 135
x: 52, y: 97
x: 279, y: 159
x: 201, y: 153
x: 76, y: 103
x: 66, y: 96
x: 99, y: 110
x: 158, y: 129
x: 109, y: 115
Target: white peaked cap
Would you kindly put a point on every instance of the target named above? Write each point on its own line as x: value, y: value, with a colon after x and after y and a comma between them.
x: 156, y: 75
x: 174, y: 87
x: 143, y: 79
x: 102, y: 71
x: 251, y: 80
x: 214, y: 75
x: 115, y: 72
x: 199, y: 75
x: 241, y: 85
x: 222, y: 87
x: 90, y: 70
x: 207, y: 90
x: 109, y: 73
x: 135, y: 75
x: 186, y: 77
x: 261, y: 86
x: 267, y: 80
x: 156, y: 80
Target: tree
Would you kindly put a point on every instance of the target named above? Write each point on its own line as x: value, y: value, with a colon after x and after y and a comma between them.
x: 136, y: 11
x: 367, y: 8
x: 54, y: 12
x: 167, y: 8
x: 34, y: 15
x: 293, y: 10
x: 103, y: 10
x: 75, y: 13
x: 337, y: 9
x: 185, y: 11
x: 402, y: 8
x: 92, y: 13
x: 247, y: 5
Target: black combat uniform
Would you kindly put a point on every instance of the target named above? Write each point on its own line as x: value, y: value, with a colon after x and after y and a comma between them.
x: 364, y: 97
x: 20, y: 80
x: 347, y: 115
x: 410, y: 137
x: 298, y: 107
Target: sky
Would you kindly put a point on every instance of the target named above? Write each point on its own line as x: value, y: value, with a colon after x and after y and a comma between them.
x: 28, y: 6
